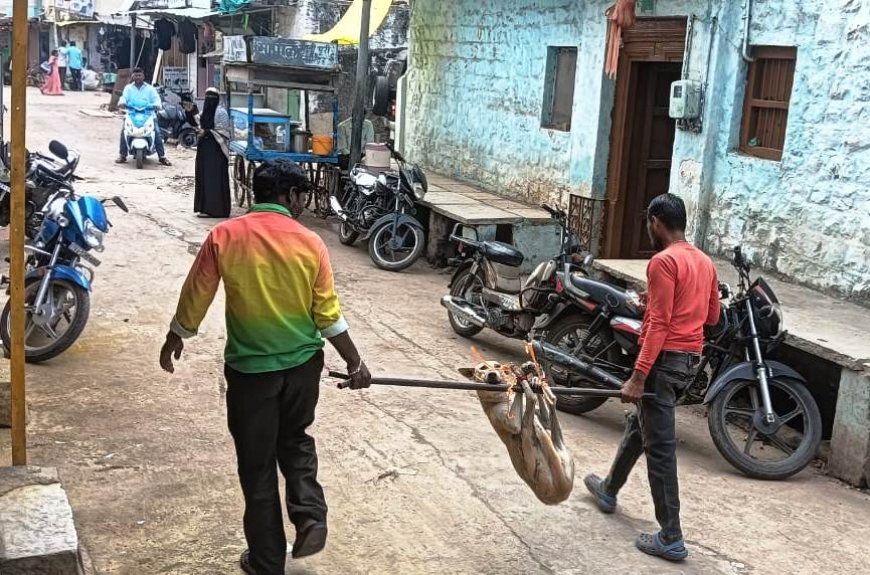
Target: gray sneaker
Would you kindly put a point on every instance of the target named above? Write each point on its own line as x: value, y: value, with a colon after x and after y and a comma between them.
x: 606, y: 503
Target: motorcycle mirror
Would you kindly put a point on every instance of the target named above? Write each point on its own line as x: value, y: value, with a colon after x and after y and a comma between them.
x: 118, y: 202
x: 58, y: 150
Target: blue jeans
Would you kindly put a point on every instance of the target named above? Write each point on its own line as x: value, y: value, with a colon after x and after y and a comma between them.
x: 158, y: 144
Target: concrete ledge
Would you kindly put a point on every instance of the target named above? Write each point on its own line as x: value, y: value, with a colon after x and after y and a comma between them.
x: 37, y: 532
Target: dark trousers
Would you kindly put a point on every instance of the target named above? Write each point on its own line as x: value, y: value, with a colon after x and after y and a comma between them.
x: 158, y: 143
x: 268, y: 414
x: 652, y: 429
x: 61, y: 70
x: 76, y: 83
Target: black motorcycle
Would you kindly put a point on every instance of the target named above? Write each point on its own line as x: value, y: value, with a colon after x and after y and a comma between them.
x: 175, y: 121
x: 761, y: 416
x: 488, y: 289
x: 381, y: 208
x: 45, y: 175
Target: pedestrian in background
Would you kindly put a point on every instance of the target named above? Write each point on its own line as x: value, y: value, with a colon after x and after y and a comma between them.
x: 682, y: 296
x: 52, y: 86
x: 62, y: 63
x: 281, y: 304
x: 211, y: 198
x: 75, y: 61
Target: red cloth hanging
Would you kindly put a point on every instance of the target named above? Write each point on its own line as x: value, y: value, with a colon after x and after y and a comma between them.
x: 620, y: 15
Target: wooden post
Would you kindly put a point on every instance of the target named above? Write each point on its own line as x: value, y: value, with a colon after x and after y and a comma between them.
x: 361, y: 87
x: 16, y: 227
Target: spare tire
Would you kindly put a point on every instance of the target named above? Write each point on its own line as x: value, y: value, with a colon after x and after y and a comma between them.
x: 381, y: 96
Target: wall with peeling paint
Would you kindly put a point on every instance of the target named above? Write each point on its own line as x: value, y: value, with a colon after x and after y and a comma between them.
x: 476, y: 90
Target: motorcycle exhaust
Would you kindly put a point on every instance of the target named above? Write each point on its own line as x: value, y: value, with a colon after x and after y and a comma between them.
x: 464, y: 309
x: 553, y: 354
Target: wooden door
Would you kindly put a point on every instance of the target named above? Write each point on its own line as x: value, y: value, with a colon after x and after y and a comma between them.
x: 642, y: 134
x: 648, y: 169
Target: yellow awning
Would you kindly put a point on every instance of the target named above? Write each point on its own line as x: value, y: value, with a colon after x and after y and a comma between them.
x: 346, y: 31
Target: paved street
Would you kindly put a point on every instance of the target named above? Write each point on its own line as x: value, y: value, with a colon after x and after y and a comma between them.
x: 417, y: 480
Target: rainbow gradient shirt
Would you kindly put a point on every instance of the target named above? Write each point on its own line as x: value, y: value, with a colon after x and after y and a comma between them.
x: 280, y: 293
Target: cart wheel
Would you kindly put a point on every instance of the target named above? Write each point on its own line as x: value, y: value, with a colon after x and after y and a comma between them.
x: 239, y: 181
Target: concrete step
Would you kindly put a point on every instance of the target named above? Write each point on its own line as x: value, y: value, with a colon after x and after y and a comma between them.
x: 37, y: 532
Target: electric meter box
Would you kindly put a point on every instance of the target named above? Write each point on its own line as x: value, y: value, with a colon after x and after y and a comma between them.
x: 685, y: 100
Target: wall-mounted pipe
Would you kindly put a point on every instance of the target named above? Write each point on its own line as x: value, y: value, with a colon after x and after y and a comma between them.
x: 747, y: 18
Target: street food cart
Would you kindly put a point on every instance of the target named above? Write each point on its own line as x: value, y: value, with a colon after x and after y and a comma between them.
x: 259, y: 134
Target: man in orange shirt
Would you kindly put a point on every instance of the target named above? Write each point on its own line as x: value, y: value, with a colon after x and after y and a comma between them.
x: 683, y: 296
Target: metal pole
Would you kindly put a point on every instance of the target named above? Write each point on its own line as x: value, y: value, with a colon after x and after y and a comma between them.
x: 360, y: 90
x: 132, y: 43
x: 16, y: 228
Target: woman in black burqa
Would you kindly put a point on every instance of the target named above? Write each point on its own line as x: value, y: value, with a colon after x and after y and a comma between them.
x: 212, y: 196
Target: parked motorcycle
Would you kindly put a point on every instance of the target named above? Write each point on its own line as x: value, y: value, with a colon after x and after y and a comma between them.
x: 175, y: 122
x: 488, y: 290
x: 761, y: 416
x: 139, y: 129
x: 381, y: 208
x: 58, y: 281
x: 44, y: 176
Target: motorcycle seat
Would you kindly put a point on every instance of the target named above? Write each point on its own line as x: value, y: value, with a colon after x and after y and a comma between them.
x: 503, y: 253
x: 603, y: 293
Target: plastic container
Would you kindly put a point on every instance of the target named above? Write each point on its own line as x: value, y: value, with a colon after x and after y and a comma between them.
x: 321, y: 145
x: 377, y: 156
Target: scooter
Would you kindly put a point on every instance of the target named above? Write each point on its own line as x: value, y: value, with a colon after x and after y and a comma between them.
x: 175, y: 122
x: 139, y: 132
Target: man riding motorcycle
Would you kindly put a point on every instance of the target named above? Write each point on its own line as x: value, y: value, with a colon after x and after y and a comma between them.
x: 141, y: 92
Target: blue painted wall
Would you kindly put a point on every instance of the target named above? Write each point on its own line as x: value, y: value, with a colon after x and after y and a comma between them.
x: 476, y: 89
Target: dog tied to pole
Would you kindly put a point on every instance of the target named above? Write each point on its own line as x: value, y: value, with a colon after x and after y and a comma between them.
x: 528, y: 426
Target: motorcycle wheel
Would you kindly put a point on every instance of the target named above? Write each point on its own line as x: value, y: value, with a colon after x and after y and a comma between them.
x: 71, y: 307
x: 566, y: 334
x: 346, y: 235
x: 140, y: 159
x: 187, y: 139
x: 464, y: 287
x: 390, y: 259
x: 756, y: 448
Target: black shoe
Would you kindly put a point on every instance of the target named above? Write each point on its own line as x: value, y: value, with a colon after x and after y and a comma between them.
x: 165, y: 162
x: 310, y: 540
x: 245, y: 562
x: 121, y: 160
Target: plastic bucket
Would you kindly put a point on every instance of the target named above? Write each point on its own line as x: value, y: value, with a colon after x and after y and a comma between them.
x: 321, y: 145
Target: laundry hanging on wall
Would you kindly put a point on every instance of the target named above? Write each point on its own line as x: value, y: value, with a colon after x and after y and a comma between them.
x: 187, y: 37
x: 164, y: 30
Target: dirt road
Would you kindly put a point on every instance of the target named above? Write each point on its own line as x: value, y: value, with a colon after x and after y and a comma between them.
x: 417, y: 480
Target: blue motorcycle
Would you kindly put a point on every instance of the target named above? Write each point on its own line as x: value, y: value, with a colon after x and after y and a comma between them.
x: 139, y: 131
x: 58, y: 280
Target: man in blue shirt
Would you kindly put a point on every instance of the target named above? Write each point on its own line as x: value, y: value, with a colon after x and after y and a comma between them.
x: 140, y: 92
x: 76, y: 63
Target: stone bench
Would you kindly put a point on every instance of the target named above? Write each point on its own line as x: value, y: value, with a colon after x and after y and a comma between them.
x: 825, y: 336
x: 530, y: 229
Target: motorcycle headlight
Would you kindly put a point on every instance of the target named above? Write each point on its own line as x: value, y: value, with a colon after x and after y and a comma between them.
x: 93, y: 235
x: 419, y: 191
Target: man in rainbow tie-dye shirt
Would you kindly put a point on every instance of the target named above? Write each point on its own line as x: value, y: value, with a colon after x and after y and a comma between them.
x: 280, y: 305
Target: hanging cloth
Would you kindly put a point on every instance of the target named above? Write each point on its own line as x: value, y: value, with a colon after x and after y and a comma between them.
x: 620, y: 15
x: 187, y: 37
x: 164, y: 30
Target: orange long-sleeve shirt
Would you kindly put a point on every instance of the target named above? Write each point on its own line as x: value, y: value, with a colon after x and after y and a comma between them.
x: 682, y: 296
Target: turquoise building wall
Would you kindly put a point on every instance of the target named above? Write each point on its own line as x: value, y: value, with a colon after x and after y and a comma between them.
x: 475, y: 93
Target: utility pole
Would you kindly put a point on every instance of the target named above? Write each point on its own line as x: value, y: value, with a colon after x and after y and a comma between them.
x: 362, y: 81
x: 16, y: 228
x: 132, y: 42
